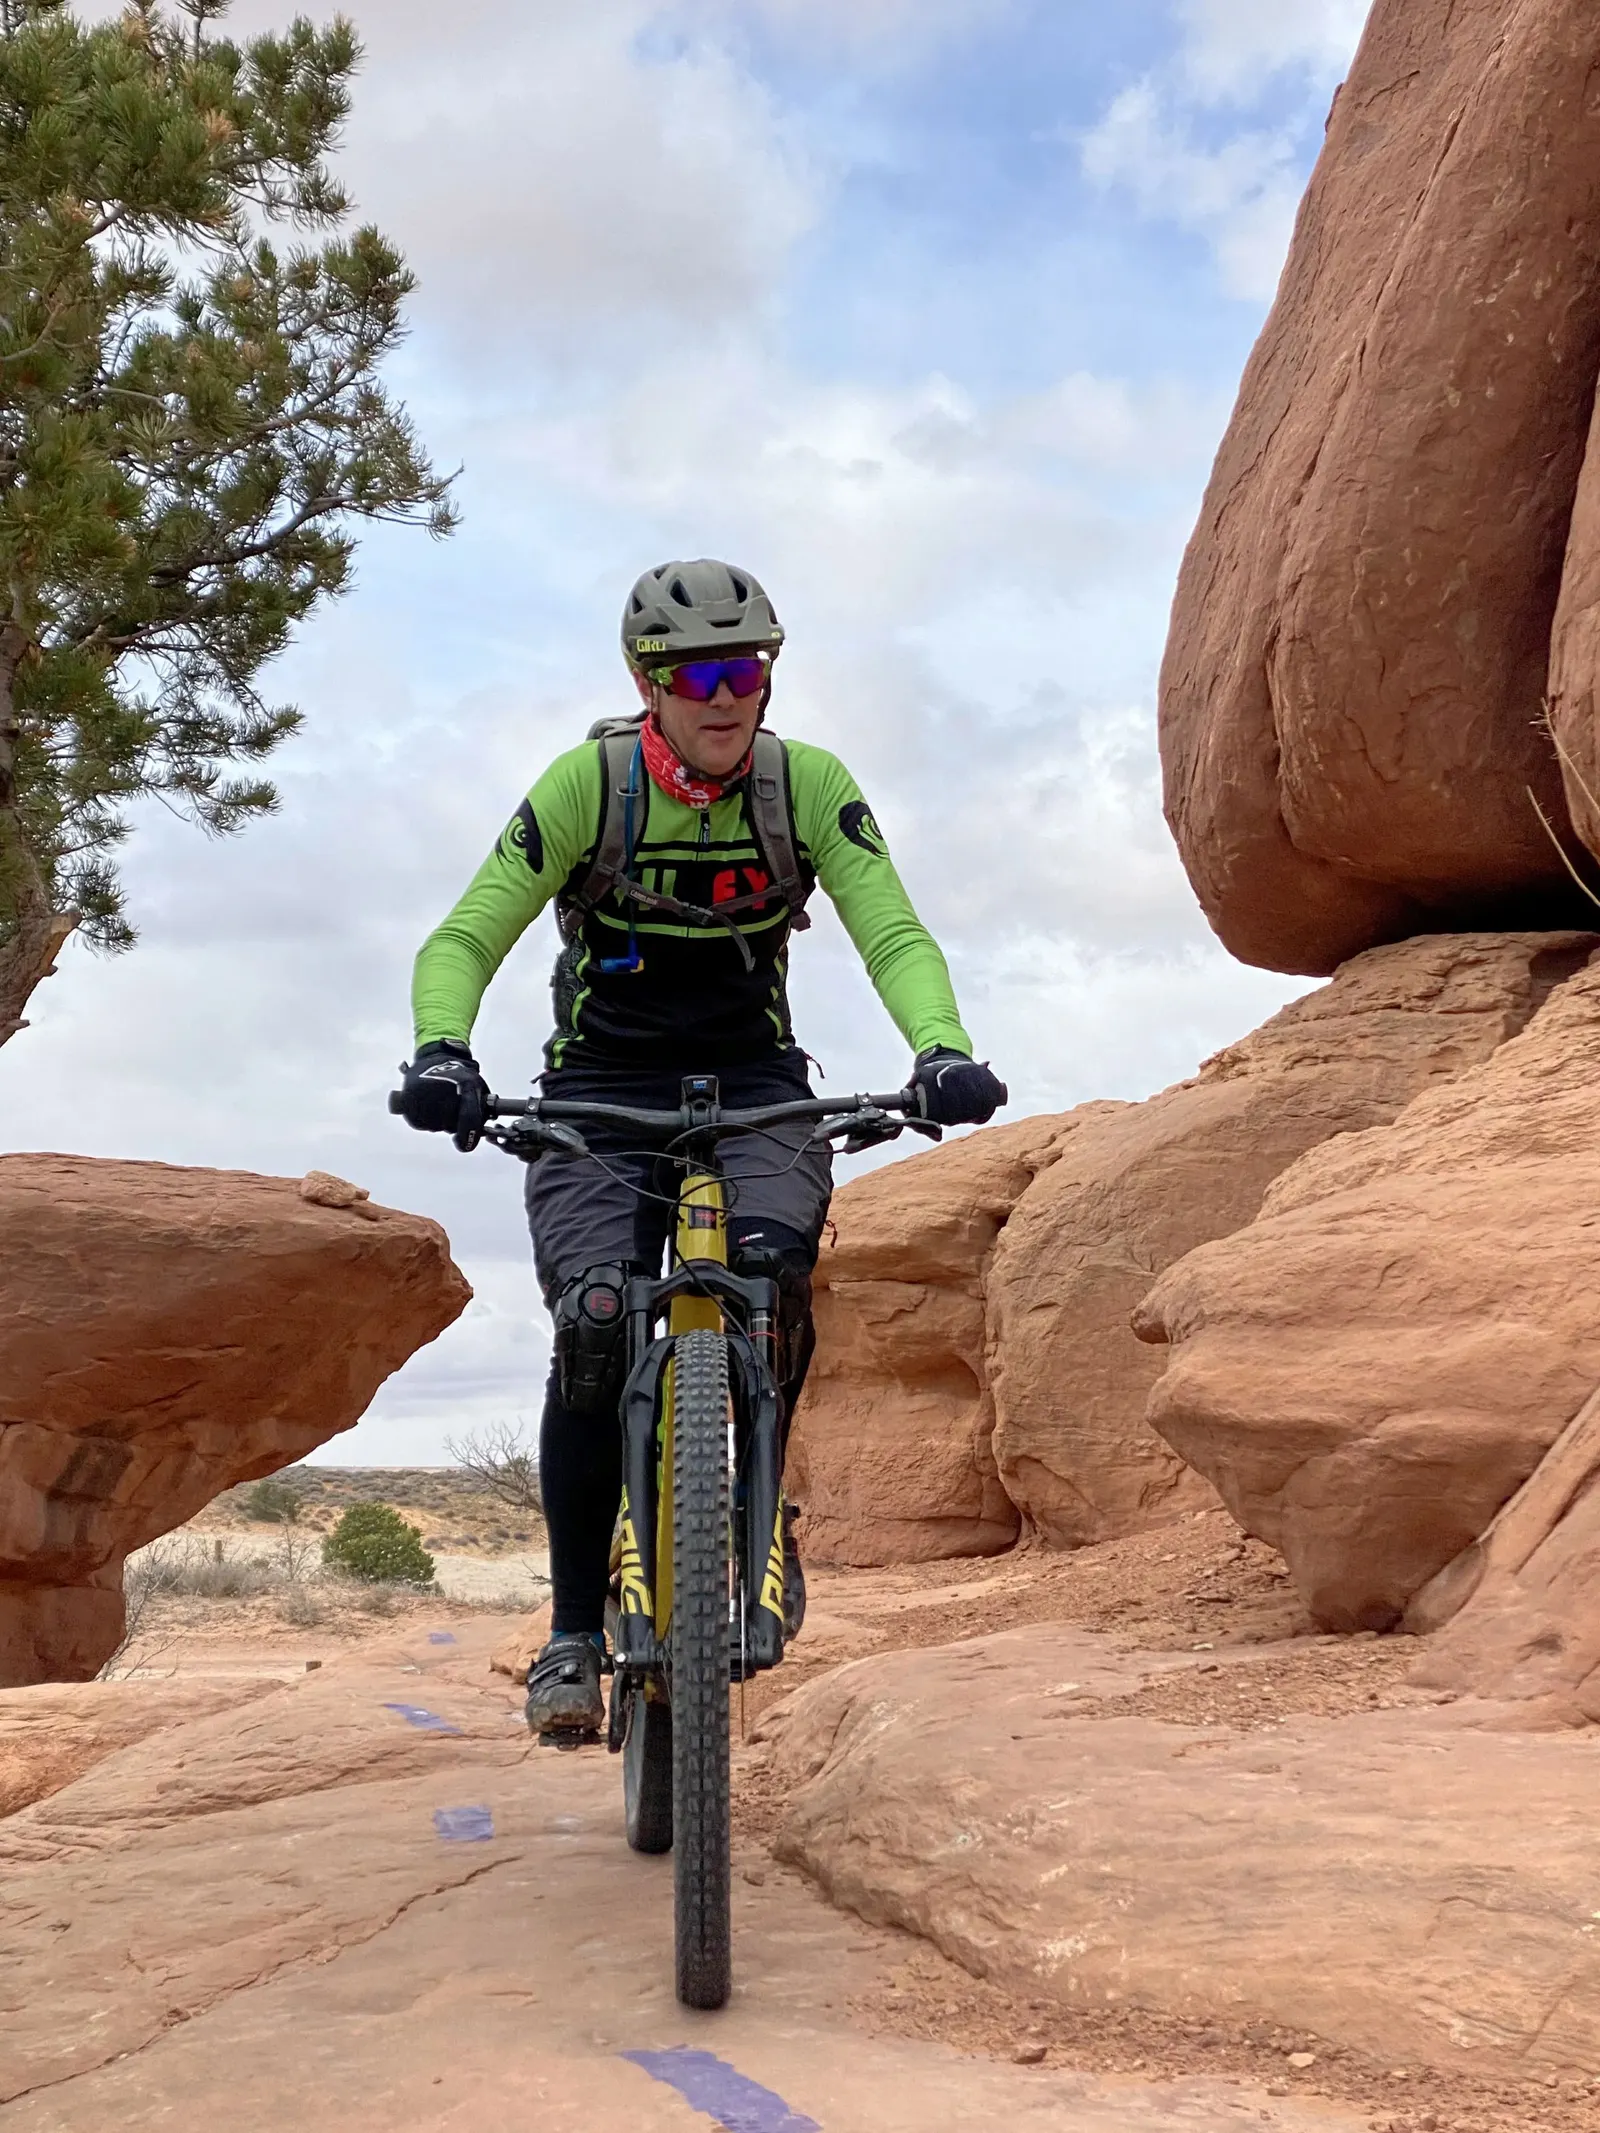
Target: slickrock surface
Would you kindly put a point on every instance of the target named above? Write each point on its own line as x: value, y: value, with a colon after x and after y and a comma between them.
x: 163, y: 1333
x: 1361, y: 637
x: 1378, y: 1362
x: 254, y: 1918
x: 976, y: 1371
x: 1398, y: 1882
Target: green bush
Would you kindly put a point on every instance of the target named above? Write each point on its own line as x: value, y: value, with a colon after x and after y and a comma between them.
x: 373, y: 1542
x: 273, y: 1502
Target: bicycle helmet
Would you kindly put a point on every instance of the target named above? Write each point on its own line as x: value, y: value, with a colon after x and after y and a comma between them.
x: 688, y: 610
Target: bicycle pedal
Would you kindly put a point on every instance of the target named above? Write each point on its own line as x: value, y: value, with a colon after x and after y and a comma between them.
x: 567, y: 1738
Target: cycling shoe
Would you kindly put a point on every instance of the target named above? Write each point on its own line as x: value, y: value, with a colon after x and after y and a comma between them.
x: 565, y: 1704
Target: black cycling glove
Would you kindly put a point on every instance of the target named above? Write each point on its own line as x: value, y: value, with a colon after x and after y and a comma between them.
x: 443, y: 1092
x: 956, y: 1090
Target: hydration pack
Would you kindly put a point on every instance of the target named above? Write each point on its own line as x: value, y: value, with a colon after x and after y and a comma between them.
x: 769, y: 809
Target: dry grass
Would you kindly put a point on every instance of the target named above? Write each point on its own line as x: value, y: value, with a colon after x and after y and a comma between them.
x: 192, y: 1583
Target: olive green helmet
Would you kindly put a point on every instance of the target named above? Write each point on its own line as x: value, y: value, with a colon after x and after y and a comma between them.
x: 689, y: 610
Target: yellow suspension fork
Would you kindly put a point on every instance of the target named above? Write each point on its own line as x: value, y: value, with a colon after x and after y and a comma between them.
x: 701, y: 1233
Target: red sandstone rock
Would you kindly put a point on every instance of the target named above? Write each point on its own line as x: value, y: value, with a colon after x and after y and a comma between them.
x: 1377, y: 1363
x: 164, y: 1334
x: 976, y: 1370
x: 1519, y: 1610
x: 1361, y: 635
x: 891, y: 1458
x: 1350, y: 1877
x: 1135, y: 1189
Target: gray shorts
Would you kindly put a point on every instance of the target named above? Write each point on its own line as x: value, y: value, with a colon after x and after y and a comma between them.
x: 583, y: 1213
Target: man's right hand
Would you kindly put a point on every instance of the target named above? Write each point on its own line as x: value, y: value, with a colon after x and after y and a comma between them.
x: 443, y: 1092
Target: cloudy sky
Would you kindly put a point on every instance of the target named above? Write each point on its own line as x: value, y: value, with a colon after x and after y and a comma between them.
x: 929, y: 311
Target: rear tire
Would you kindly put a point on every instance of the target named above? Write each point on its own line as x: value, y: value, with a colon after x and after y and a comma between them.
x: 701, y: 1548
x: 647, y: 1774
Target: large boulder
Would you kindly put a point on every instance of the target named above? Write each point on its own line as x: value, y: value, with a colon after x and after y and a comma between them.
x: 891, y: 1460
x: 1350, y: 716
x: 1136, y: 1189
x: 165, y: 1333
x: 1384, y: 1356
x: 976, y: 1372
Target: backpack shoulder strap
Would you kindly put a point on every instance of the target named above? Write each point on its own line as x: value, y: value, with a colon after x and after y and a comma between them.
x: 618, y: 741
x: 770, y: 805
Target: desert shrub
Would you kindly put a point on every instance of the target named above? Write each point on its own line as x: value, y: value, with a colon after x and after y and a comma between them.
x: 301, y: 1608
x: 273, y: 1502
x: 375, y: 1543
x: 183, y: 1569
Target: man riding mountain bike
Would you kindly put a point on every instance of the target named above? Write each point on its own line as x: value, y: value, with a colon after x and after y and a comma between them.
x: 679, y: 846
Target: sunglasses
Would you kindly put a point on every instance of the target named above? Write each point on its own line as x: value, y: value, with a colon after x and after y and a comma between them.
x: 697, y: 680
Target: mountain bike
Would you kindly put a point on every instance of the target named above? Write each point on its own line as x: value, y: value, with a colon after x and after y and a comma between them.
x: 699, y: 1600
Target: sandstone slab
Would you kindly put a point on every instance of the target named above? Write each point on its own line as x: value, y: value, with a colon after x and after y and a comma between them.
x: 1402, y: 1883
x: 1376, y: 1364
x: 1361, y: 635
x: 323, y: 1957
x: 165, y: 1333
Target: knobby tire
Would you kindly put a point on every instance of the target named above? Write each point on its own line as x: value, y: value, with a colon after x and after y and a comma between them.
x: 701, y: 1842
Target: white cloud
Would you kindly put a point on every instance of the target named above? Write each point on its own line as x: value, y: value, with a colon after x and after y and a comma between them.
x: 1231, y: 48
x: 1240, y: 195
x: 1177, y: 142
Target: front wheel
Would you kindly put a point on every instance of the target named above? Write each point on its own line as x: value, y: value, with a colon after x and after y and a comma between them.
x: 702, y: 1558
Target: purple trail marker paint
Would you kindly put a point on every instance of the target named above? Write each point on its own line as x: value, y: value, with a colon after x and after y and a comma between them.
x: 737, y: 2103
x: 440, y: 1636
x: 415, y: 1715
x: 464, y: 1825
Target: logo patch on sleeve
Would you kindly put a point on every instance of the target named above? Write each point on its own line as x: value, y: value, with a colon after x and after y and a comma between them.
x: 521, y: 834
x: 857, y: 823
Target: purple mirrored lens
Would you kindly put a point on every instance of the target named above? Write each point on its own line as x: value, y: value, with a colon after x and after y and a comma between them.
x: 698, y: 679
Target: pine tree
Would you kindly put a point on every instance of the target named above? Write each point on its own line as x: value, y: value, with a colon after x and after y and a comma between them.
x: 191, y: 427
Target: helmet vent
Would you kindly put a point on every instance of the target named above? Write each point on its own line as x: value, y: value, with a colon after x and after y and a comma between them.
x: 741, y: 590
x: 680, y: 593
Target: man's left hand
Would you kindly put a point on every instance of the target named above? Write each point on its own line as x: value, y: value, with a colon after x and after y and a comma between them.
x: 955, y: 1090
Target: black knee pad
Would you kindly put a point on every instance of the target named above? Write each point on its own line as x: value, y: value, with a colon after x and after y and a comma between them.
x: 591, y: 1341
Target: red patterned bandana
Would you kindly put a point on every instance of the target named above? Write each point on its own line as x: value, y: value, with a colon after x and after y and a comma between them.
x: 674, y: 775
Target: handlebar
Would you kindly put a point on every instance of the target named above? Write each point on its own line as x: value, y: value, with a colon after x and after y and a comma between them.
x: 537, y: 1123
x: 689, y: 1117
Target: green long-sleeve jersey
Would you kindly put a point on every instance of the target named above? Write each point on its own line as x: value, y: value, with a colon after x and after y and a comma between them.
x: 693, y: 1004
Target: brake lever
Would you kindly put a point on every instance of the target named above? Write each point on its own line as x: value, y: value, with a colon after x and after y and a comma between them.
x: 926, y: 1127
x: 877, y: 1135
x: 528, y: 1136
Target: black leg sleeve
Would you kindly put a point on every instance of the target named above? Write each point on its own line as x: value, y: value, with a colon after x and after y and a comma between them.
x: 580, y: 1477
